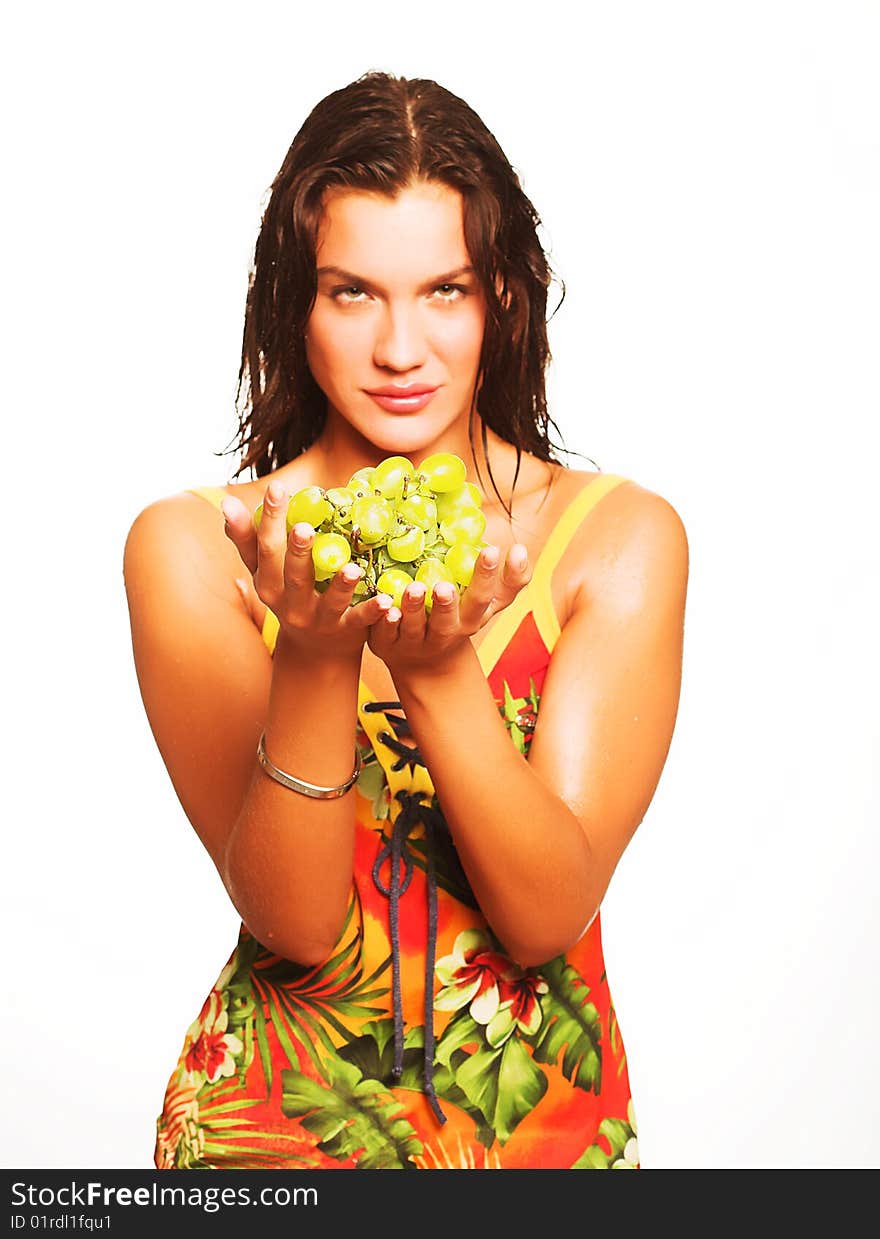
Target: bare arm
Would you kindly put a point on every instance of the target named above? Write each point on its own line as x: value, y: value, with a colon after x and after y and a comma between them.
x: 210, y: 687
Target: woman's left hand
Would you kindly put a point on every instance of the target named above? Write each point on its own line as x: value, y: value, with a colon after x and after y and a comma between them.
x: 411, y: 638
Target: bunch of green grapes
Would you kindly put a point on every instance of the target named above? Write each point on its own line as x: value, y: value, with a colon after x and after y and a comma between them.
x: 398, y: 523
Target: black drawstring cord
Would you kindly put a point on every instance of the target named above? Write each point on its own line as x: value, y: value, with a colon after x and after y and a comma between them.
x: 412, y: 812
x: 397, y: 851
x: 429, y: 817
x: 406, y: 754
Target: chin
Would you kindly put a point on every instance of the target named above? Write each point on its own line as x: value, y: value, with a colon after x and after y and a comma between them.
x: 407, y: 435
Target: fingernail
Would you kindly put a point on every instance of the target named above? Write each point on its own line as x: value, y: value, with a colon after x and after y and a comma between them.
x: 227, y: 515
x: 275, y: 493
x: 443, y: 593
x: 301, y: 534
x: 490, y: 558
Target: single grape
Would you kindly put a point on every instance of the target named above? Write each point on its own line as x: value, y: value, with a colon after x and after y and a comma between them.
x: 430, y: 572
x: 361, y: 482
x: 330, y: 552
x: 407, y: 545
x: 468, y: 526
x: 460, y: 560
x: 390, y: 475
x: 443, y: 472
x: 373, y: 517
x: 341, y: 497
x: 393, y: 581
x: 417, y: 510
x: 454, y: 501
x: 308, y: 505
x: 258, y: 515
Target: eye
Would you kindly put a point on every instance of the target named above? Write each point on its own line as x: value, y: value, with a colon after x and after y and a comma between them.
x: 450, y: 292
x: 352, y: 293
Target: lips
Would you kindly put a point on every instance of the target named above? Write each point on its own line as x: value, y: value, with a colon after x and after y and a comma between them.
x: 401, y: 390
x: 399, y: 399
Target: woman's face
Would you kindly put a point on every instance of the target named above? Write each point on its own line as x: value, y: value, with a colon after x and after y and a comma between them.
x: 395, y: 334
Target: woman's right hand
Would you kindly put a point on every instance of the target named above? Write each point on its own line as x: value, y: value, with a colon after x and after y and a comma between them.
x: 316, y: 624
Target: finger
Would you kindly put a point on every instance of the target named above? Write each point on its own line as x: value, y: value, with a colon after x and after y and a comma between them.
x: 337, y: 598
x: 272, y: 538
x: 444, y: 617
x: 370, y: 611
x: 412, y: 612
x: 239, y: 529
x: 299, y: 568
x: 517, y: 570
x: 480, y: 593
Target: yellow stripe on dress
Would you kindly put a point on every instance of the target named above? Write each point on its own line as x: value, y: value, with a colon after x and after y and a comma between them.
x: 537, y: 596
x: 412, y: 777
x: 270, y: 630
x: 213, y: 494
x: 543, y: 609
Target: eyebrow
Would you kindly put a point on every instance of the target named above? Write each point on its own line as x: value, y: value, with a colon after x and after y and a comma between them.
x: 358, y: 281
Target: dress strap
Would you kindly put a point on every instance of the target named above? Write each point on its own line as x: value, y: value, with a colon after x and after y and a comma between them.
x: 540, y: 592
x: 214, y: 494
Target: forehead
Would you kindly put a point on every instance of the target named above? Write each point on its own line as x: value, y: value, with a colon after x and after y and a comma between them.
x: 419, y: 230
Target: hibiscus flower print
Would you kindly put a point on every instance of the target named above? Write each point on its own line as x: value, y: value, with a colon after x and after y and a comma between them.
x: 518, y: 1007
x: 629, y: 1158
x: 498, y: 992
x: 210, y: 1051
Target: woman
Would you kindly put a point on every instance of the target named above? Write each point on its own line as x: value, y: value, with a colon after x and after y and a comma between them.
x: 419, y: 978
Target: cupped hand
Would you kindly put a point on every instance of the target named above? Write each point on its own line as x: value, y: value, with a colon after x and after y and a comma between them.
x: 411, y: 638
x: 317, y: 624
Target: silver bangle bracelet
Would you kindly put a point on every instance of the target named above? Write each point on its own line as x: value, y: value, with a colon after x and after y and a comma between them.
x: 299, y: 785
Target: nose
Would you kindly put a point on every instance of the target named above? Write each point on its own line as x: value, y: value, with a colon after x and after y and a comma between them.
x: 400, y: 343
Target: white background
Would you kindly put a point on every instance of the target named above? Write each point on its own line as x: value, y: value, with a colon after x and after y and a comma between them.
x: 708, y: 175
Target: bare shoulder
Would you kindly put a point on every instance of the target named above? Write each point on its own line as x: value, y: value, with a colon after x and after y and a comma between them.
x: 176, y: 545
x: 633, y: 546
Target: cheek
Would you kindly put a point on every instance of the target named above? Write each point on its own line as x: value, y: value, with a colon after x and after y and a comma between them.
x: 462, y: 339
x: 331, y: 342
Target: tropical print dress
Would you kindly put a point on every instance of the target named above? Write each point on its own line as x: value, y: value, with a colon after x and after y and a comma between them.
x: 418, y: 1044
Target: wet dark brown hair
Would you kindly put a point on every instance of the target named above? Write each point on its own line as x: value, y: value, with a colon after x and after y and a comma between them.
x: 381, y: 133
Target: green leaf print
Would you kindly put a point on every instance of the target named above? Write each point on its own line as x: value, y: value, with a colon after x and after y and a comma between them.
x: 624, y: 1148
x: 354, y: 1117
x: 520, y: 715
x: 570, y: 1026
x: 498, y: 1086
x: 212, y: 1130
x: 305, y: 1004
x: 504, y: 1084
x: 372, y: 784
x: 373, y: 1054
